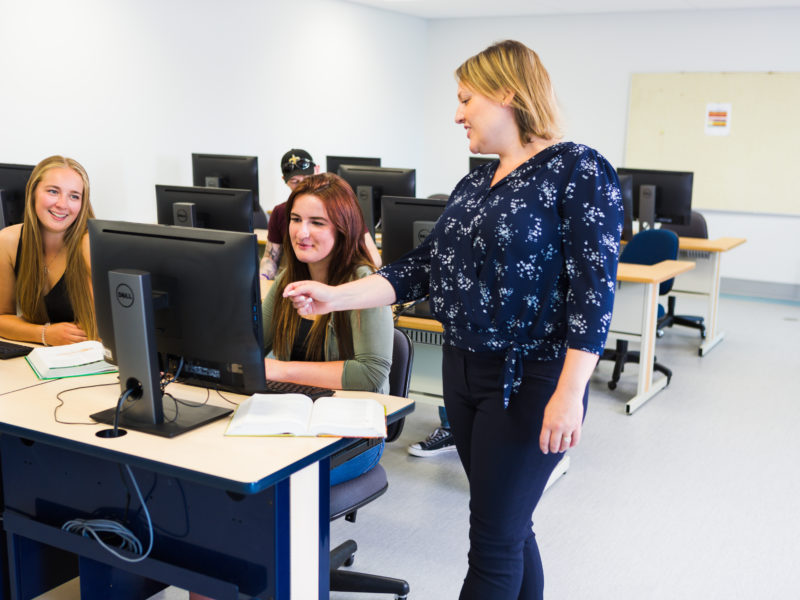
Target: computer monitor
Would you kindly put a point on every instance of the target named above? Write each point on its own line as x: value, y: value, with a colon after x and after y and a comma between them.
x: 477, y: 161
x: 168, y: 297
x: 209, y: 208
x: 229, y: 171
x: 13, y: 179
x: 332, y: 162
x: 626, y: 187
x: 406, y: 223
x: 666, y: 195
x: 371, y: 183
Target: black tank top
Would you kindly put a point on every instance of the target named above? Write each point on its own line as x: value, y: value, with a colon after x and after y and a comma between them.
x: 301, y: 341
x: 56, y: 302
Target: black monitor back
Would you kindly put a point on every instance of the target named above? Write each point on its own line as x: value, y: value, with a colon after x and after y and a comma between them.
x: 626, y: 187
x: 209, y: 312
x: 372, y: 183
x: 227, y: 171
x: 215, y: 208
x: 13, y: 179
x: 332, y: 163
x: 673, y: 193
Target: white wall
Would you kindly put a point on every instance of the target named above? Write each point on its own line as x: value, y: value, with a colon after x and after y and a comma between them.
x: 131, y: 88
x: 591, y: 59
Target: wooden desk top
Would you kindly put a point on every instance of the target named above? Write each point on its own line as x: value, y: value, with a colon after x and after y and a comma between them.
x: 656, y: 273
x: 722, y: 244
x: 239, y: 464
x: 261, y: 235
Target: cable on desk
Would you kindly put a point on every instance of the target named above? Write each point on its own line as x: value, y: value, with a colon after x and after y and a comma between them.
x: 61, y: 403
x: 27, y: 387
x: 228, y: 400
x: 128, y: 540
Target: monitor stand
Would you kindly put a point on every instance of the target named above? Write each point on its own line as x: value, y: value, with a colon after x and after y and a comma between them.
x: 647, y: 207
x: 132, y: 308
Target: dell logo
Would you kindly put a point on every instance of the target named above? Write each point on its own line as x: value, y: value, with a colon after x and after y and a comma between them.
x: 124, y: 295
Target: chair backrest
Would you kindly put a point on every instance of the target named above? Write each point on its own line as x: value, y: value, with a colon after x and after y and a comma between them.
x: 402, y: 358
x: 649, y: 247
x: 696, y: 228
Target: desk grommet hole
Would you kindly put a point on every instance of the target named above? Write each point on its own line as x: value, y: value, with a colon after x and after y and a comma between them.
x: 111, y: 433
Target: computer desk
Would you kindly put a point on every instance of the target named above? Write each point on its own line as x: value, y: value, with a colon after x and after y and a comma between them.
x: 232, y: 515
x: 703, y: 281
x: 633, y: 319
x: 635, y: 316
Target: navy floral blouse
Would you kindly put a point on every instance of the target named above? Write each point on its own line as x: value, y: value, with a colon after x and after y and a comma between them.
x: 526, y: 267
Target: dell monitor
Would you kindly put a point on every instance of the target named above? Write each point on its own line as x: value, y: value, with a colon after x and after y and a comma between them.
x: 406, y: 223
x: 626, y: 187
x: 229, y: 171
x: 13, y: 179
x: 371, y: 183
x: 181, y: 300
x: 332, y: 163
x: 661, y: 196
x: 209, y: 208
x: 477, y: 161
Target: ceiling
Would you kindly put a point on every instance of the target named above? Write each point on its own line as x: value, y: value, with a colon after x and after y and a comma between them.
x: 454, y: 9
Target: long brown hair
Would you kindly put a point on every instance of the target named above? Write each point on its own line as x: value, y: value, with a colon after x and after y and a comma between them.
x: 349, y: 252
x: 31, y: 279
x: 512, y: 66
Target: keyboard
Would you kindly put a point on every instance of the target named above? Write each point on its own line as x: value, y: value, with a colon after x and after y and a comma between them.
x: 284, y: 387
x: 9, y: 350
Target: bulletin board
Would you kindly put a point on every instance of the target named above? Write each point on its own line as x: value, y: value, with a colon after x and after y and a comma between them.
x: 738, y: 132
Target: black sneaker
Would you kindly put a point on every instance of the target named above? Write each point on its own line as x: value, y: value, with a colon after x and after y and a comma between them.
x: 441, y: 440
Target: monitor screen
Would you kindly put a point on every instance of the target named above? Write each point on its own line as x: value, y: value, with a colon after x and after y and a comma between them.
x: 178, y: 300
x: 209, y: 208
x: 13, y: 179
x: 227, y: 171
x: 626, y: 187
x: 332, y: 162
x: 672, y: 190
x: 371, y: 183
x: 477, y: 161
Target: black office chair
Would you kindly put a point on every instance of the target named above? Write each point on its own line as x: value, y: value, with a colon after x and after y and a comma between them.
x: 697, y: 229
x: 647, y: 247
x: 348, y: 497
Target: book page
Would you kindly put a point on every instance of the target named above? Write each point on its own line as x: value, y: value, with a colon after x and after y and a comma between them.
x: 348, y: 417
x: 272, y: 414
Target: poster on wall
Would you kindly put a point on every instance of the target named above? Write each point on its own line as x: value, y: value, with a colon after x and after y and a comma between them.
x: 718, y: 118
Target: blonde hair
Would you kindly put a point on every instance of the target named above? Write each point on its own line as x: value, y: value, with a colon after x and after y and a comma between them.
x: 511, y: 66
x: 31, y: 279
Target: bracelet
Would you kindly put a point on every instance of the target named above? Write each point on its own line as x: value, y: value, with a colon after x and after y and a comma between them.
x: 44, y: 327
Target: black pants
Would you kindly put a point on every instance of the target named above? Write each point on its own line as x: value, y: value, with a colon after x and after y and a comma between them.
x: 507, y: 471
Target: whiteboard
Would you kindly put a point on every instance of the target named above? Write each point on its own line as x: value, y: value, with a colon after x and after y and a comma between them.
x: 752, y: 166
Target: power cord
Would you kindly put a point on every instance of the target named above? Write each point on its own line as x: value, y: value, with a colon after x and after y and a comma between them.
x: 128, y: 540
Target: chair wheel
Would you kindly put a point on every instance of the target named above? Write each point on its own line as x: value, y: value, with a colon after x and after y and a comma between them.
x: 612, y: 385
x: 349, y: 562
x: 659, y: 333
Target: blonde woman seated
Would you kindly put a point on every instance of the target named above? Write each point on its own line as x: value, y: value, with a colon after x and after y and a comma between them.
x: 350, y: 350
x: 45, y: 278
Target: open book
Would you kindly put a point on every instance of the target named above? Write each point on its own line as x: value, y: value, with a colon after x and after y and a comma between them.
x: 297, y: 414
x: 70, y: 360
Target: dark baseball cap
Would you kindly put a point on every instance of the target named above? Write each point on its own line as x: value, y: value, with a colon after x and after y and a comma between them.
x: 296, y: 162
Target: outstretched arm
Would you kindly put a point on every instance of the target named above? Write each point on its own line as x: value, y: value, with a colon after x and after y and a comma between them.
x: 314, y: 298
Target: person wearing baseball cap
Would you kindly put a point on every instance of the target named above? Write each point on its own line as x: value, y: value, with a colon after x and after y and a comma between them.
x: 296, y: 165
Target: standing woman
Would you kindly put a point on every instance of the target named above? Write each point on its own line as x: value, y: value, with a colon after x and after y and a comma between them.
x: 521, y: 271
x: 45, y: 281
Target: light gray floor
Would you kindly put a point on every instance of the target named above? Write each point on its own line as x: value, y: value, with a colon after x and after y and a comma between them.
x: 694, y: 496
